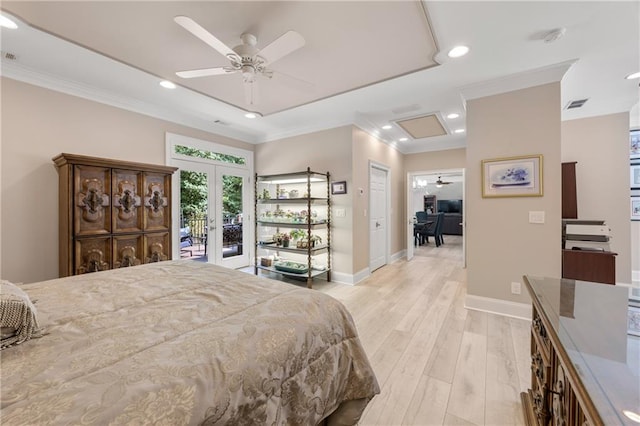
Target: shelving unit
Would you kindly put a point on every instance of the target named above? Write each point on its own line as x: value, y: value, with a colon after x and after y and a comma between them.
x: 289, y: 201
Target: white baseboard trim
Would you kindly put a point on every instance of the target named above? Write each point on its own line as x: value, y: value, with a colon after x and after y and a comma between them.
x: 342, y: 278
x: 498, y: 306
x: 399, y: 255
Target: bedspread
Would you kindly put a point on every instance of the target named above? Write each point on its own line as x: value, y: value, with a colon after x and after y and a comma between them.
x: 183, y: 342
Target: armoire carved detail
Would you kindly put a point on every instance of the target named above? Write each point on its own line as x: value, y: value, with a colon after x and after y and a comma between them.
x: 113, y: 214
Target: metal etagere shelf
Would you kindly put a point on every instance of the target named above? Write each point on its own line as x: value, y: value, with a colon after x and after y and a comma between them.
x: 307, y: 190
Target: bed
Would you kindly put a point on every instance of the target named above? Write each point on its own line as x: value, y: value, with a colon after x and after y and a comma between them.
x: 183, y: 342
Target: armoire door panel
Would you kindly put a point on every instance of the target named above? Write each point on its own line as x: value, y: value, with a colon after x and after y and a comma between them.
x: 127, y: 250
x: 157, y: 247
x: 157, y: 216
x: 127, y: 201
x: 93, y: 254
x: 92, y: 189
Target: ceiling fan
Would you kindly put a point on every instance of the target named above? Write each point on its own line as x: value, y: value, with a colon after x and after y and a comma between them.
x: 245, y: 58
x: 440, y: 182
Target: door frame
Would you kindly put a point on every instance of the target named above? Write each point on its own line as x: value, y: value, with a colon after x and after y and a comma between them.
x: 410, y: 209
x: 173, y: 159
x: 387, y: 208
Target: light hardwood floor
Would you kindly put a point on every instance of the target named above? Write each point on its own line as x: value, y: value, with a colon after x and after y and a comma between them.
x: 437, y: 363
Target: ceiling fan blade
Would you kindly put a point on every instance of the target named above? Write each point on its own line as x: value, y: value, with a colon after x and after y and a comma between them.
x: 194, y: 28
x: 282, y: 46
x: 251, y: 93
x: 205, y: 72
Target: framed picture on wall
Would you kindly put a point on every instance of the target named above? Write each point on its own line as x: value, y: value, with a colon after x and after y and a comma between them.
x: 634, y: 144
x: 635, y: 208
x: 339, y: 187
x: 634, y: 175
x: 512, y: 177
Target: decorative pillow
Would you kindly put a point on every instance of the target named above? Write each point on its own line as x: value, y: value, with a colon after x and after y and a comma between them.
x: 18, y: 316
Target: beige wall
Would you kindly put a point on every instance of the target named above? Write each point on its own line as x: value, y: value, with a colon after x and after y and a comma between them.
x: 327, y: 150
x: 600, y: 145
x: 501, y: 243
x: 366, y: 148
x: 437, y: 160
x: 38, y: 124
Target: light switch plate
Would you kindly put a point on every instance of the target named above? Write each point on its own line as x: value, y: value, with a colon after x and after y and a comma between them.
x: 341, y: 213
x: 536, y: 217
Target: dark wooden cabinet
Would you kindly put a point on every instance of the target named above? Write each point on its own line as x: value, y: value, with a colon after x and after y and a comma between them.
x: 113, y: 213
x: 584, y: 365
x: 569, y: 191
x: 585, y: 265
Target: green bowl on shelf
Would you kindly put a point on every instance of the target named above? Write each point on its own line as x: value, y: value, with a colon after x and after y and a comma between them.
x: 292, y: 267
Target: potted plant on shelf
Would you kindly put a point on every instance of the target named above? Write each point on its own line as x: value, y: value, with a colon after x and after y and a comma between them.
x: 277, y: 238
x: 315, y: 239
x: 285, y: 240
x: 298, y: 234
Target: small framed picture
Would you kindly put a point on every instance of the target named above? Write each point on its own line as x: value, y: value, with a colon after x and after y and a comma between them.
x: 512, y: 177
x: 634, y: 175
x: 635, y: 208
x: 634, y: 144
x: 339, y: 187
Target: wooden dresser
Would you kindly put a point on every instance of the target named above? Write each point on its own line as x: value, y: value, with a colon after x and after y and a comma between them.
x: 113, y: 213
x: 585, y: 367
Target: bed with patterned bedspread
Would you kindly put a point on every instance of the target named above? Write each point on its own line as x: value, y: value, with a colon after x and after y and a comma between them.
x: 184, y: 342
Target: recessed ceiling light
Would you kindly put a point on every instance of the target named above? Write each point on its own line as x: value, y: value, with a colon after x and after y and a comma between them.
x: 7, y: 23
x: 167, y: 84
x: 458, y: 51
x: 632, y: 76
x: 403, y: 139
x: 453, y: 115
x: 458, y: 131
x: 251, y: 115
x: 386, y: 126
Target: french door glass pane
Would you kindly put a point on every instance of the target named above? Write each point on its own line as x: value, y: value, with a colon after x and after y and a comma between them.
x: 232, y: 241
x: 194, y: 206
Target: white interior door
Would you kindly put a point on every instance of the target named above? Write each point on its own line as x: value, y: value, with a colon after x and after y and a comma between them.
x: 410, y: 237
x: 377, y: 217
x: 230, y: 226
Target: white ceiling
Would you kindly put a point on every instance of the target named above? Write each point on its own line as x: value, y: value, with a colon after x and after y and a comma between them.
x: 121, y: 50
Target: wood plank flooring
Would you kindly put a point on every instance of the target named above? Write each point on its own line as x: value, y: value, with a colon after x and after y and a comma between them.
x: 437, y: 363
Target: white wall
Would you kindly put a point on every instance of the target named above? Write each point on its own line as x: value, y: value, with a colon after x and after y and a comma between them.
x: 502, y: 245
x: 600, y: 145
x: 38, y: 124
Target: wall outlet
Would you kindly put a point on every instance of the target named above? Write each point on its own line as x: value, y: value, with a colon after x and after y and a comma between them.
x: 515, y: 288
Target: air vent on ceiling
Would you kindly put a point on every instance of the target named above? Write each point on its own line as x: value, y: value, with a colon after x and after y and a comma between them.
x: 8, y: 55
x: 576, y: 104
x: 426, y: 126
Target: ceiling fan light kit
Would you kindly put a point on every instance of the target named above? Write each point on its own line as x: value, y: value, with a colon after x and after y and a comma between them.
x: 244, y: 58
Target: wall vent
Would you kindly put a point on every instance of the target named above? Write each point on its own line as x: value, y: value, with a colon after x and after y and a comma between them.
x: 8, y: 55
x: 576, y: 104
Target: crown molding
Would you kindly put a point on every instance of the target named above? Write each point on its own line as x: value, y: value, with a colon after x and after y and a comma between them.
x: 523, y: 80
x: 53, y: 82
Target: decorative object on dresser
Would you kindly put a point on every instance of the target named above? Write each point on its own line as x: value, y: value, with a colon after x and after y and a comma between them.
x: 584, y: 362
x: 113, y: 213
x: 307, y: 217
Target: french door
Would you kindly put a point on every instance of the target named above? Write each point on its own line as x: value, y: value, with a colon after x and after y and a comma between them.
x: 231, y: 222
